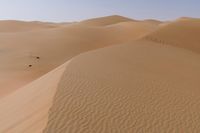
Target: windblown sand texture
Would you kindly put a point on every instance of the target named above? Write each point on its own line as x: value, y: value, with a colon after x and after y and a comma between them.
x: 118, y: 76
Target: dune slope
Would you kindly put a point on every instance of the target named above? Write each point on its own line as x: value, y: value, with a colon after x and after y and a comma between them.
x: 26, y: 110
x: 145, y: 87
x: 184, y: 33
x: 108, y: 20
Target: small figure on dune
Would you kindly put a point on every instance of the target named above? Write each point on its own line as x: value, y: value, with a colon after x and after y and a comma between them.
x: 38, y: 57
x: 30, y: 65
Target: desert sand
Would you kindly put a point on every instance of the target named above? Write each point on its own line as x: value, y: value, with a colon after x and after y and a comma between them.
x: 183, y: 33
x: 54, y: 45
x: 103, y: 75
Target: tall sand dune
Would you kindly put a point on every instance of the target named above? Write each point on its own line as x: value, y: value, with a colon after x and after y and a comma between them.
x: 145, y: 87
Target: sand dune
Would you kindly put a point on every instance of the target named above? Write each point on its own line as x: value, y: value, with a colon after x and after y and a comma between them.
x: 153, y: 21
x: 121, y: 75
x: 26, y: 110
x: 184, y: 33
x: 54, y: 46
x: 108, y: 20
x: 129, y: 88
x: 131, y: 30
x: 21, y: 26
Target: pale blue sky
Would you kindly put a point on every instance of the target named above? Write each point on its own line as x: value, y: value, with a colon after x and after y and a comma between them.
x: 75, y: 10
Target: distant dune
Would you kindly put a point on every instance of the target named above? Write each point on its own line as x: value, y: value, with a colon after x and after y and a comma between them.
x: 108, y: 20
x: 21, y: 26
x: 184, y: 33
x: 118, y: 75
x: 152, y: 21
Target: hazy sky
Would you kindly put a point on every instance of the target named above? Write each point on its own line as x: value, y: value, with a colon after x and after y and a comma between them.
x: 75, y: 10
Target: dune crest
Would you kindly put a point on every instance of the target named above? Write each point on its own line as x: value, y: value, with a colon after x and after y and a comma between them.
x: 108, y: 20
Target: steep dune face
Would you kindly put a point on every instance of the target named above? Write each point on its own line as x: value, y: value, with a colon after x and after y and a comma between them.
x: 102, y: 21
x: 25, y: 56
x: 26, y: 110
x: 144, y: 87
x: 184, y: 33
